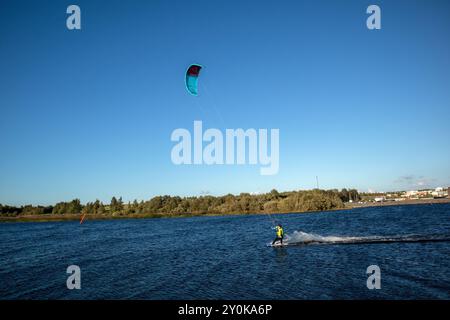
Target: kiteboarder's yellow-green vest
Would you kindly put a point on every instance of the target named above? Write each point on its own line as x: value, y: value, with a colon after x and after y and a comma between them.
x: 280, y: 232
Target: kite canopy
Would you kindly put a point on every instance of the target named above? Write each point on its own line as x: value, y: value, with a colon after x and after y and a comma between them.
x: 192, y: 78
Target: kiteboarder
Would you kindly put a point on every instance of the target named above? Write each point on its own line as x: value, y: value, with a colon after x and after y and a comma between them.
x: 280, y: 234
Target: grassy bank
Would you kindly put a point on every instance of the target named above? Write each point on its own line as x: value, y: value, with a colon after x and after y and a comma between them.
x: 76, y: 217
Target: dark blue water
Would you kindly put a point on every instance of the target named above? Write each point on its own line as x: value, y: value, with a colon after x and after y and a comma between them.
x: 227, y: 257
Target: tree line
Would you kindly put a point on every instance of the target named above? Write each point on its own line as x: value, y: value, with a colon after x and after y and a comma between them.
x: 271, y: 202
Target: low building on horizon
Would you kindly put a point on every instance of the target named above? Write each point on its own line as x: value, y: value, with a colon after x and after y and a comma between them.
x: 439, y: 193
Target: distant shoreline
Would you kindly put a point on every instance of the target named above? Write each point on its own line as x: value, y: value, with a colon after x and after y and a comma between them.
x: 396, y: 203
x: 76, y: 217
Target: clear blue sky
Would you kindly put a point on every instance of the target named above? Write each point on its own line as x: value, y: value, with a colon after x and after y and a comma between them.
x: 88, y: 114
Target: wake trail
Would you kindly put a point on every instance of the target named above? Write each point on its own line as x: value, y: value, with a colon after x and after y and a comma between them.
x: 303, y: 238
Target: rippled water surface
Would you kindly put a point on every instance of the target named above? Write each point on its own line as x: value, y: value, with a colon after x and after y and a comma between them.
x: 228, y: 257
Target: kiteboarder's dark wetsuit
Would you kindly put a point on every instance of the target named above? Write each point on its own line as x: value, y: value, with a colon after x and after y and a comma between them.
x: 280, y: 235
